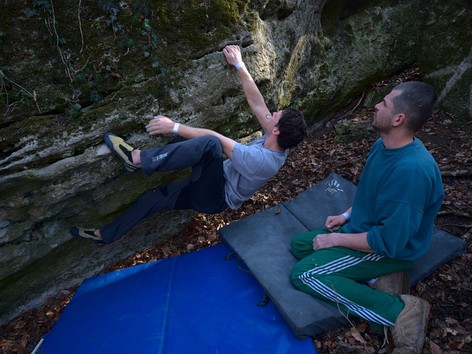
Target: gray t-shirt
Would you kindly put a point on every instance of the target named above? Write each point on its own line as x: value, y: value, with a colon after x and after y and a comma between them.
x: 250, y: 168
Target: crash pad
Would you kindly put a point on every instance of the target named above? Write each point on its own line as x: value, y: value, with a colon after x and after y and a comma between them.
x: 200, y: 302
x: 262, y: 242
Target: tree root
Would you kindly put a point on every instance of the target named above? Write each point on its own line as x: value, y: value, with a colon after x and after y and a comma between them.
x: 458, y: 173
x: 453, y: 212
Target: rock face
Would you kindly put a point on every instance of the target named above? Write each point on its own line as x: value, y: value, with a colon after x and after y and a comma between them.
x: 445, y: 52
x: 70, y: 71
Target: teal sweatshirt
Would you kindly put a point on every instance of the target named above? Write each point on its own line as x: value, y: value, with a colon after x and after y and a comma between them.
x: 397, y: 199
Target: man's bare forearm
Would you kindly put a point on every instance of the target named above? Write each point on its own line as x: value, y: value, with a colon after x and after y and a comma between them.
x: 251, y: 91
x: 164, y: 125
x: 356, y: 242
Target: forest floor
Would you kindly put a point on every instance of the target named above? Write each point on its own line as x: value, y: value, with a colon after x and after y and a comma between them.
x: 448, y: 290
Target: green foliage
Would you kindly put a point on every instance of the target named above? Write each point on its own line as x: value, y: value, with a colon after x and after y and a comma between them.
x: 95, y: 96
x: 12, y: 93
x: 153, y: 91
x: 110, y: 8
x: 59, y: 104
x: 127, y: 43
x: 148, y: 37
x: 75, y: 110
x: 63, y: 105
x: 43, y: 5
x: 29, y: 13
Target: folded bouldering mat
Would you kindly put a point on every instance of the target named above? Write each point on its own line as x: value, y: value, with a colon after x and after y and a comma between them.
x: 200, y: 302
x: 262, y: 242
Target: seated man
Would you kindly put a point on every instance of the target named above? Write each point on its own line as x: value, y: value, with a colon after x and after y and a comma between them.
x: 391, y: 224
x: 214, y: 184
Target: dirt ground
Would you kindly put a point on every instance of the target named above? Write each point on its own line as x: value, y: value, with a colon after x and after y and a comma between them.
x: 448, y: 290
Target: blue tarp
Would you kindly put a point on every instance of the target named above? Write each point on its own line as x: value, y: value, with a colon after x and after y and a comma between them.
x: 196, y: 303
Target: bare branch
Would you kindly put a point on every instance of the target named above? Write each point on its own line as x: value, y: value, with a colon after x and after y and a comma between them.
x: 80, y: 27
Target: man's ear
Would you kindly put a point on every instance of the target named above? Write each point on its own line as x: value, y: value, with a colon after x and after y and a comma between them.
x: 398, y: 120
x: 275, y: 131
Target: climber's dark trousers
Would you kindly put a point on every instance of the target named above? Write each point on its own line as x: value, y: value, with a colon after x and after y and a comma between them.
x: 203, y: 192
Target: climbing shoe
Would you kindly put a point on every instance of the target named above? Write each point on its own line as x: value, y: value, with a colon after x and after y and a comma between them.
x: 85, y: 233
x: 122, y: 150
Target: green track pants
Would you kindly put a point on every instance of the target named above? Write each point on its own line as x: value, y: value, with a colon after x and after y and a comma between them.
x: 340, y: 276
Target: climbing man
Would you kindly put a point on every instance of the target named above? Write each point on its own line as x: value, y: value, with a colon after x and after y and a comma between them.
x: 215, y: 184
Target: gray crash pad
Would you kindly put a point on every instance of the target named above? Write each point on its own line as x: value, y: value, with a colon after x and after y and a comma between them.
x: 262, y: 242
